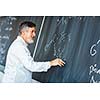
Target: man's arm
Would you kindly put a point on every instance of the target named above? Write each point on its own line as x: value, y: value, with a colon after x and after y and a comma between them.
x: 32, y: 66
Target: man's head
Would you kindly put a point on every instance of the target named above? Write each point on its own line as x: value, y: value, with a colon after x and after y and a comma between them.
x: 27, y: 31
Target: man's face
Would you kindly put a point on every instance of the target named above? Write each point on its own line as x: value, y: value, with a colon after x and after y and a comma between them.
x: 29, y: 35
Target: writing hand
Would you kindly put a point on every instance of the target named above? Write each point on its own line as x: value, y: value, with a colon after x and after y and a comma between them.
x: 56, y: 62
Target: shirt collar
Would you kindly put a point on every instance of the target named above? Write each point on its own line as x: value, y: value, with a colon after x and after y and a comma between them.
x: 22, y: 40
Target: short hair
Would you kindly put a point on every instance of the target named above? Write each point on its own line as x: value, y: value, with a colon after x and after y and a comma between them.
x: 26, y: 24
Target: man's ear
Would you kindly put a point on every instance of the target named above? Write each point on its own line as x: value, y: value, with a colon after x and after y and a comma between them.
x: 23, y: 32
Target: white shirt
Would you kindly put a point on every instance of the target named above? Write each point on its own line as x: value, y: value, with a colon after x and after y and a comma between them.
x: 20, y: 64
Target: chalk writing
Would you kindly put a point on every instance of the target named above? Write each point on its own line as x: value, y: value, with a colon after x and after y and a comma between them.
x: 4, y: 37
x: 5, y: 32
x: 60, y: 37
x: 93, y: 50
x: 93, y: 68
x: 93, y: 80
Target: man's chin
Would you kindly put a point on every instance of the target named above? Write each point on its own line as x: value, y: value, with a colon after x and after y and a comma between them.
x: 31, y: 41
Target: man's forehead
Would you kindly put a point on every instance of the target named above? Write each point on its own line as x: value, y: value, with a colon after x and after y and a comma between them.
x: 33, y: 28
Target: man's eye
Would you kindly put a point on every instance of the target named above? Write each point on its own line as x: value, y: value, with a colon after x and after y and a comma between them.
x: 32, y: 31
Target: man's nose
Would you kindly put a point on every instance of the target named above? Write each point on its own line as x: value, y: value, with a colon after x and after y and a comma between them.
x: 33, y: 34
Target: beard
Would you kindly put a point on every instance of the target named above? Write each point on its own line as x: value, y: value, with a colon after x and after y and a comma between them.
x: 30, y: 41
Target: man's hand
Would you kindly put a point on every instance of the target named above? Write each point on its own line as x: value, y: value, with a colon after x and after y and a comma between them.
x: 56, y: 62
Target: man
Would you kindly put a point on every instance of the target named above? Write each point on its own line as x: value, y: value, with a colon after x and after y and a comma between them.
x: 19, y: 63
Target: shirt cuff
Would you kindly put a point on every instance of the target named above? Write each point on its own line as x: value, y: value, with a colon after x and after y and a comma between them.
x: 48, y: 65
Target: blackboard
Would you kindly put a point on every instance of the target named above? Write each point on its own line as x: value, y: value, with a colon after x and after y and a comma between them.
x: 6, y: 34
x: 76, y: 40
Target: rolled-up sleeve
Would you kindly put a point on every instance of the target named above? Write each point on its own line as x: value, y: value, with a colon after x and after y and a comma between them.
x: 25, y: 58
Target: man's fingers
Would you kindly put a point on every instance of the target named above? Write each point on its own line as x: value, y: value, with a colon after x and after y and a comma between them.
x: 56, y: 62
x: 61, y: 62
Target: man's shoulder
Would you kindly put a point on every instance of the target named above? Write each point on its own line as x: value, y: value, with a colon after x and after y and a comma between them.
x: 16, y: 45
